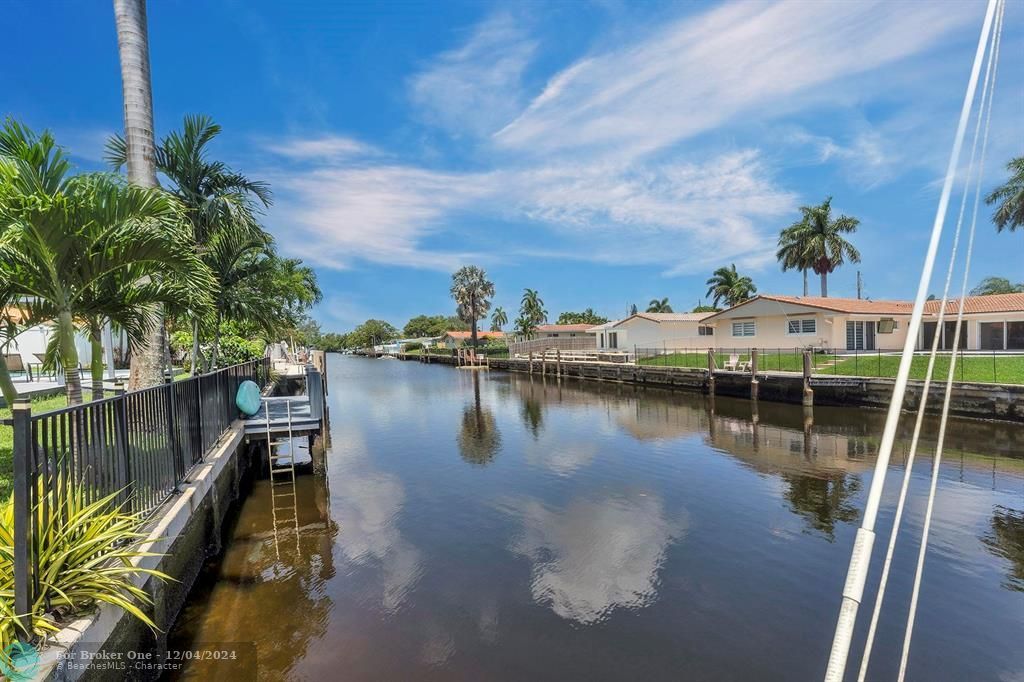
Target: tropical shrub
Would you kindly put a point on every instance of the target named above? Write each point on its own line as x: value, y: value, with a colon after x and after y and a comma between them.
x: 84, y: 552
x: 235, y: 350
x: 415, y: 345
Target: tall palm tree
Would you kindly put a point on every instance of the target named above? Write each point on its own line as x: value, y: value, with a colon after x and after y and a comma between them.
x: 726, y: 284
x: 659, y: 306
x: 821, y: 235
x: 1010, y: 197
x: 498, y: 319
x: 472, y: 292
x: 147, y: 367
x: 792, y: 253
x: 64, y: 245
x: 216, y: 197
x: 531, y: 312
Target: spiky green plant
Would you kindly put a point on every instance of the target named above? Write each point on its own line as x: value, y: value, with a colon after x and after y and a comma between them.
x: 83, y: 555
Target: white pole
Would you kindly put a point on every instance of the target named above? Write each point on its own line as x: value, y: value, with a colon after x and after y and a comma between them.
x: 853, y: 590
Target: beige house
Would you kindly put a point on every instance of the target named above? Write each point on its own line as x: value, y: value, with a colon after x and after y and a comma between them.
x: 560, y: 331
x: 655, y: 330
x: 771, y: 321
x: 458, y: 339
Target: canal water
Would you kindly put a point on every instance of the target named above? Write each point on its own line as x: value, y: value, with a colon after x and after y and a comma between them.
x: 494, y: 526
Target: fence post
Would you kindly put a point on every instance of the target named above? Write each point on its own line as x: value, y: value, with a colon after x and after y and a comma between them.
x: 24, y: 475
x: 808, y: 400
x: 753, y: 373
x: 558, y: 362
x: 531, y: 362
x: 172, y: 436
x: 121, y: 442
x: 711, y: 371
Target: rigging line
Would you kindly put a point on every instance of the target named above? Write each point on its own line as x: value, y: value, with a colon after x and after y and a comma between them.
x: 909, y: 464
x: 994, y: 59
x: 853, y: 590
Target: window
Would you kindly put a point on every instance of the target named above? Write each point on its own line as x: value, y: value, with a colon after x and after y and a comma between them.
x: 553, y: 335
x: 744, y: 328
x: 990, y: 335
x: 807, y: 325
x: 613, y: 339
x: 1014, y: 335
x: 704, y: 330
x: 860, y: 335
x: 886, y: 325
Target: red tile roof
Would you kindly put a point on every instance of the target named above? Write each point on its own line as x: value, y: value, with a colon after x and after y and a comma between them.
x: 666, y: 317
x: 480, y: 334
x: 564, y: 327
x: 996, y: 303
x: 847, y: 305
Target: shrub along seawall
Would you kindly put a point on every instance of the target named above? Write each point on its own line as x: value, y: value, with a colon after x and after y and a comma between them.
x: 974, y: 400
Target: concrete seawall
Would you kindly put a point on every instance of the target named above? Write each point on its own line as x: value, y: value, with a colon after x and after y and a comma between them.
x: 973, y: 400
x: 186, y: 532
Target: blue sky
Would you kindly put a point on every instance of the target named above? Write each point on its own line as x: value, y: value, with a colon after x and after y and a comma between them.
x: 604, y: 153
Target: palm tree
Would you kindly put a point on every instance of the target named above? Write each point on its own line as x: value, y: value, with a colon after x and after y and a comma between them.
x: 1010, y: 196
x: 656, y: 306
x: 728, y: 285
x: 133, y: 48
x: 793, y: 253
x: 63, y: 246
x: 216, y: 197
x: 472, y: 292
x: 821, y: 236
x: 498, y: 319
x: 531, y: 312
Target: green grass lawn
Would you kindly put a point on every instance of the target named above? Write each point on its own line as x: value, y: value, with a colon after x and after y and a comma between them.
x: 982, y: 368
x: 42, y: 404
x: 1001, y: 369
x: 768, y: 361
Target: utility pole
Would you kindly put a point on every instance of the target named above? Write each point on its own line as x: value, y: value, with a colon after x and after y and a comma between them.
x: 858, y: 285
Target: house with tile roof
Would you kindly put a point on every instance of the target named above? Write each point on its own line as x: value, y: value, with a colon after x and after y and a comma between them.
x: 654, y: 330
x: 774, y: 321
x: 458, y: 339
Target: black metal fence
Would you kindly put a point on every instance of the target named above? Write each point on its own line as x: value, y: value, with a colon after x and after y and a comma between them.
x: 141, y: 445
x: 1000, y: 367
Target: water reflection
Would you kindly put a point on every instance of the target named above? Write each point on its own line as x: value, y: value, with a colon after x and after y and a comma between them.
x: 1006, y: 540
x: 479, y: 439
x: 595, y: 555
x: 823, y: 501
x: 272, y: 572
x: 367, y: 506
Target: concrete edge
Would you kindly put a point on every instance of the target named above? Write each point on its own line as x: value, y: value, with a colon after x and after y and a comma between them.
x: 89, y: 632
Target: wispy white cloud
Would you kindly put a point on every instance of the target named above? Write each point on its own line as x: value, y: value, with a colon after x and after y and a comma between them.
x: 476, y: 88
x: 699, y: 73
x: 332, y: 215
x: 325, y: 148
x: 599, y: 161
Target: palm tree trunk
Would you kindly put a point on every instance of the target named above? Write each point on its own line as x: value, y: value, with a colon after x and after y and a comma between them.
x: 195, y: 348
x: 824, y: 284
x: 805, y: 281
x: 96, y: 366
x: 472, y: 313
x: 7, y: 388
x: 133, y: 47
x: 216, y: 345
x: 69, y: 357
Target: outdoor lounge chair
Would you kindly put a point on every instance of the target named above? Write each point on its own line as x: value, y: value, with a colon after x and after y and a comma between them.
x: 732, y: 362
x: 16, y: 365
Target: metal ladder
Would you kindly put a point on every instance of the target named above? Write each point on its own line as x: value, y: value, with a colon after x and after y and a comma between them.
x: 283, y: 500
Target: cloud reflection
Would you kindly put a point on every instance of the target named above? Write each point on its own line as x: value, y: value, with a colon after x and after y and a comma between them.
x: 596, y: 555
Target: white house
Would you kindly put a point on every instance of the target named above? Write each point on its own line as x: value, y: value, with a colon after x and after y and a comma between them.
x: 771, y: 321
x: 655, y: 330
